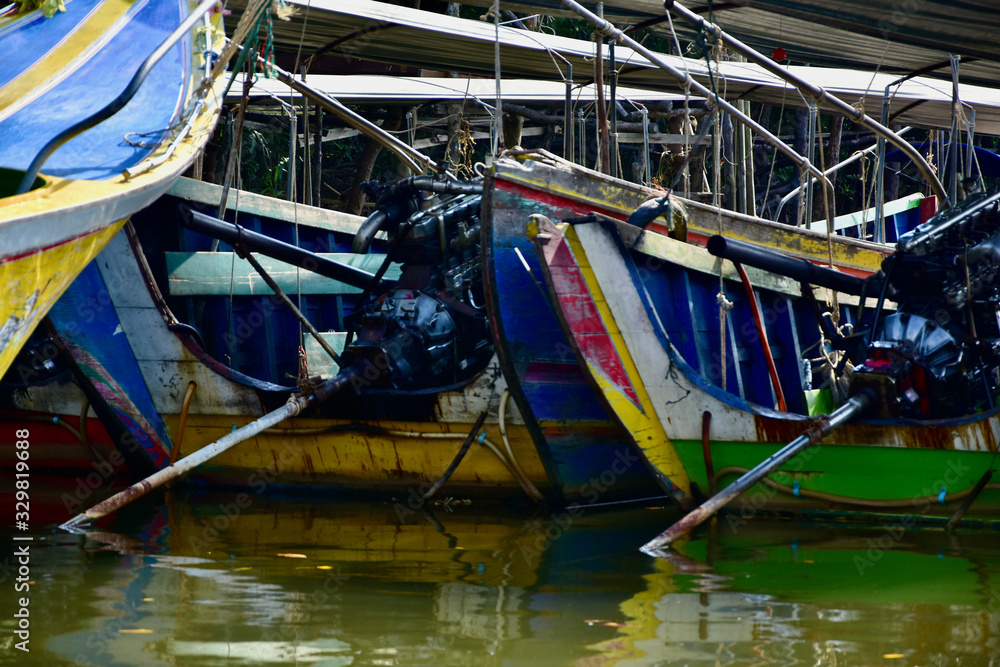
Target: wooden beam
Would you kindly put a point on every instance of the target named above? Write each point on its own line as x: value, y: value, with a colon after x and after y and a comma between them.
x: 216, y: 273
x: 279, y: 209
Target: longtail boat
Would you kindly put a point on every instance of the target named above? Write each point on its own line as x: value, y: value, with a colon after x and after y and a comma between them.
x: 169, y: 371
x: 710, y: 393
x: 569, y: 419
x: 102, y: 106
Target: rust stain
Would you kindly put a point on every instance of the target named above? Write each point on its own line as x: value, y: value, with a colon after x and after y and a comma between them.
x: 881, y: 434
x: 399, y: 464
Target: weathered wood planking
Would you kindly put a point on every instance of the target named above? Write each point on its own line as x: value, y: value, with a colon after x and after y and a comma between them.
x: 267, y: 207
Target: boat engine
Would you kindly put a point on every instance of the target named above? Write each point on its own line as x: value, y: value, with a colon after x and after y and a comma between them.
x: 428, y: 330
x: 938, y: 354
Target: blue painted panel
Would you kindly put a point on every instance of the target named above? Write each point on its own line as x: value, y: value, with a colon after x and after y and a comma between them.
x: 102, y: 152
x: 88, y: 323
x: 32, y: 36
x: 262, y: 337
x: 564, y: 401
x: 532, y: 337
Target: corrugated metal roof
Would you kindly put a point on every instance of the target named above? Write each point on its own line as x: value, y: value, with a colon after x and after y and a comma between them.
x: 400, y: 35
x: 900, y: 37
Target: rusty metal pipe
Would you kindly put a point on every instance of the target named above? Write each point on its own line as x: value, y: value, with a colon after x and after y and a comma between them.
x: 854, y: 407
x: 293, y: 407
x: 772, y: 369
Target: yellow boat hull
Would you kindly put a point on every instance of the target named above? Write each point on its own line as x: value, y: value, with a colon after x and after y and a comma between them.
x: 34, y: 281
x: 399, y: 457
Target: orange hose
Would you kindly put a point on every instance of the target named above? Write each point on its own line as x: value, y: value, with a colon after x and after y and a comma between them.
x: 755, y: 307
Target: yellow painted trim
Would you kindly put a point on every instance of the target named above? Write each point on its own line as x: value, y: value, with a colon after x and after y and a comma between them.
x: 641, y: 421
x: 33, y: 283
x: 795, y: 241
x: 67, y: 56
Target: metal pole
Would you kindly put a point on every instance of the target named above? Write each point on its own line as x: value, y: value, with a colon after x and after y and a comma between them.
x: 811, y: 92
x: 603, y: 143
x: 810, y: 154
x: 413, y: 159
x: 685, y: 79
x: 293, y: 142
x: 842, y: 415
x: 306, y: 151
x: 568, y: 121
x: 646, y: 176
x: 749, y: 187
x: 293, y: 407
x: 498, y: 114
x: 613, y: 107
x: 880, y: 173
x: 318, y: 167
x: 971, y: 148
x: 955, y: 135
x: 854, y: 158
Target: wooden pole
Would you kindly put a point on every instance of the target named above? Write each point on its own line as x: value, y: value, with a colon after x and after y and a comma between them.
x: 603, y: 141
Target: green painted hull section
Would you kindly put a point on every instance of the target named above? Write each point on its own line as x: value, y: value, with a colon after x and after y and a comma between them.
x: 912, y: 477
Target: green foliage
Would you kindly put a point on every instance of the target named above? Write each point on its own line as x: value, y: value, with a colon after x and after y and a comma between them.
x: 49, y: 7
x: 264, y: 161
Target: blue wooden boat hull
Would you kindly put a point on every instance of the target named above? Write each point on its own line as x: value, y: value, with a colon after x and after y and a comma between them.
x: 56, y: 73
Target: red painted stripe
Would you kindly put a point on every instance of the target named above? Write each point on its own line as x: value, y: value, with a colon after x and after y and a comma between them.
x: 37, y: 251
x: 583, y: 318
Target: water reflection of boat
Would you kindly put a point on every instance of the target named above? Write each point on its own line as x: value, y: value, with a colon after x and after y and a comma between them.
x: 349, y: 582
x: 300, y: 581
x: 790, y: 593
x: 67, y: 75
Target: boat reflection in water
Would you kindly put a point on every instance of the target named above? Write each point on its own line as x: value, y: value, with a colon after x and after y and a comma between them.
x: 200, y: 583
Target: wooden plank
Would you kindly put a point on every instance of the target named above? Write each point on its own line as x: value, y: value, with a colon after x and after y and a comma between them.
x: 868, y: 215
x: 220, y: 273
x: 268, y: 207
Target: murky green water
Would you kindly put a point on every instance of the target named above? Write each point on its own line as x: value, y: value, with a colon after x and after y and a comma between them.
x: 207, y: 581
